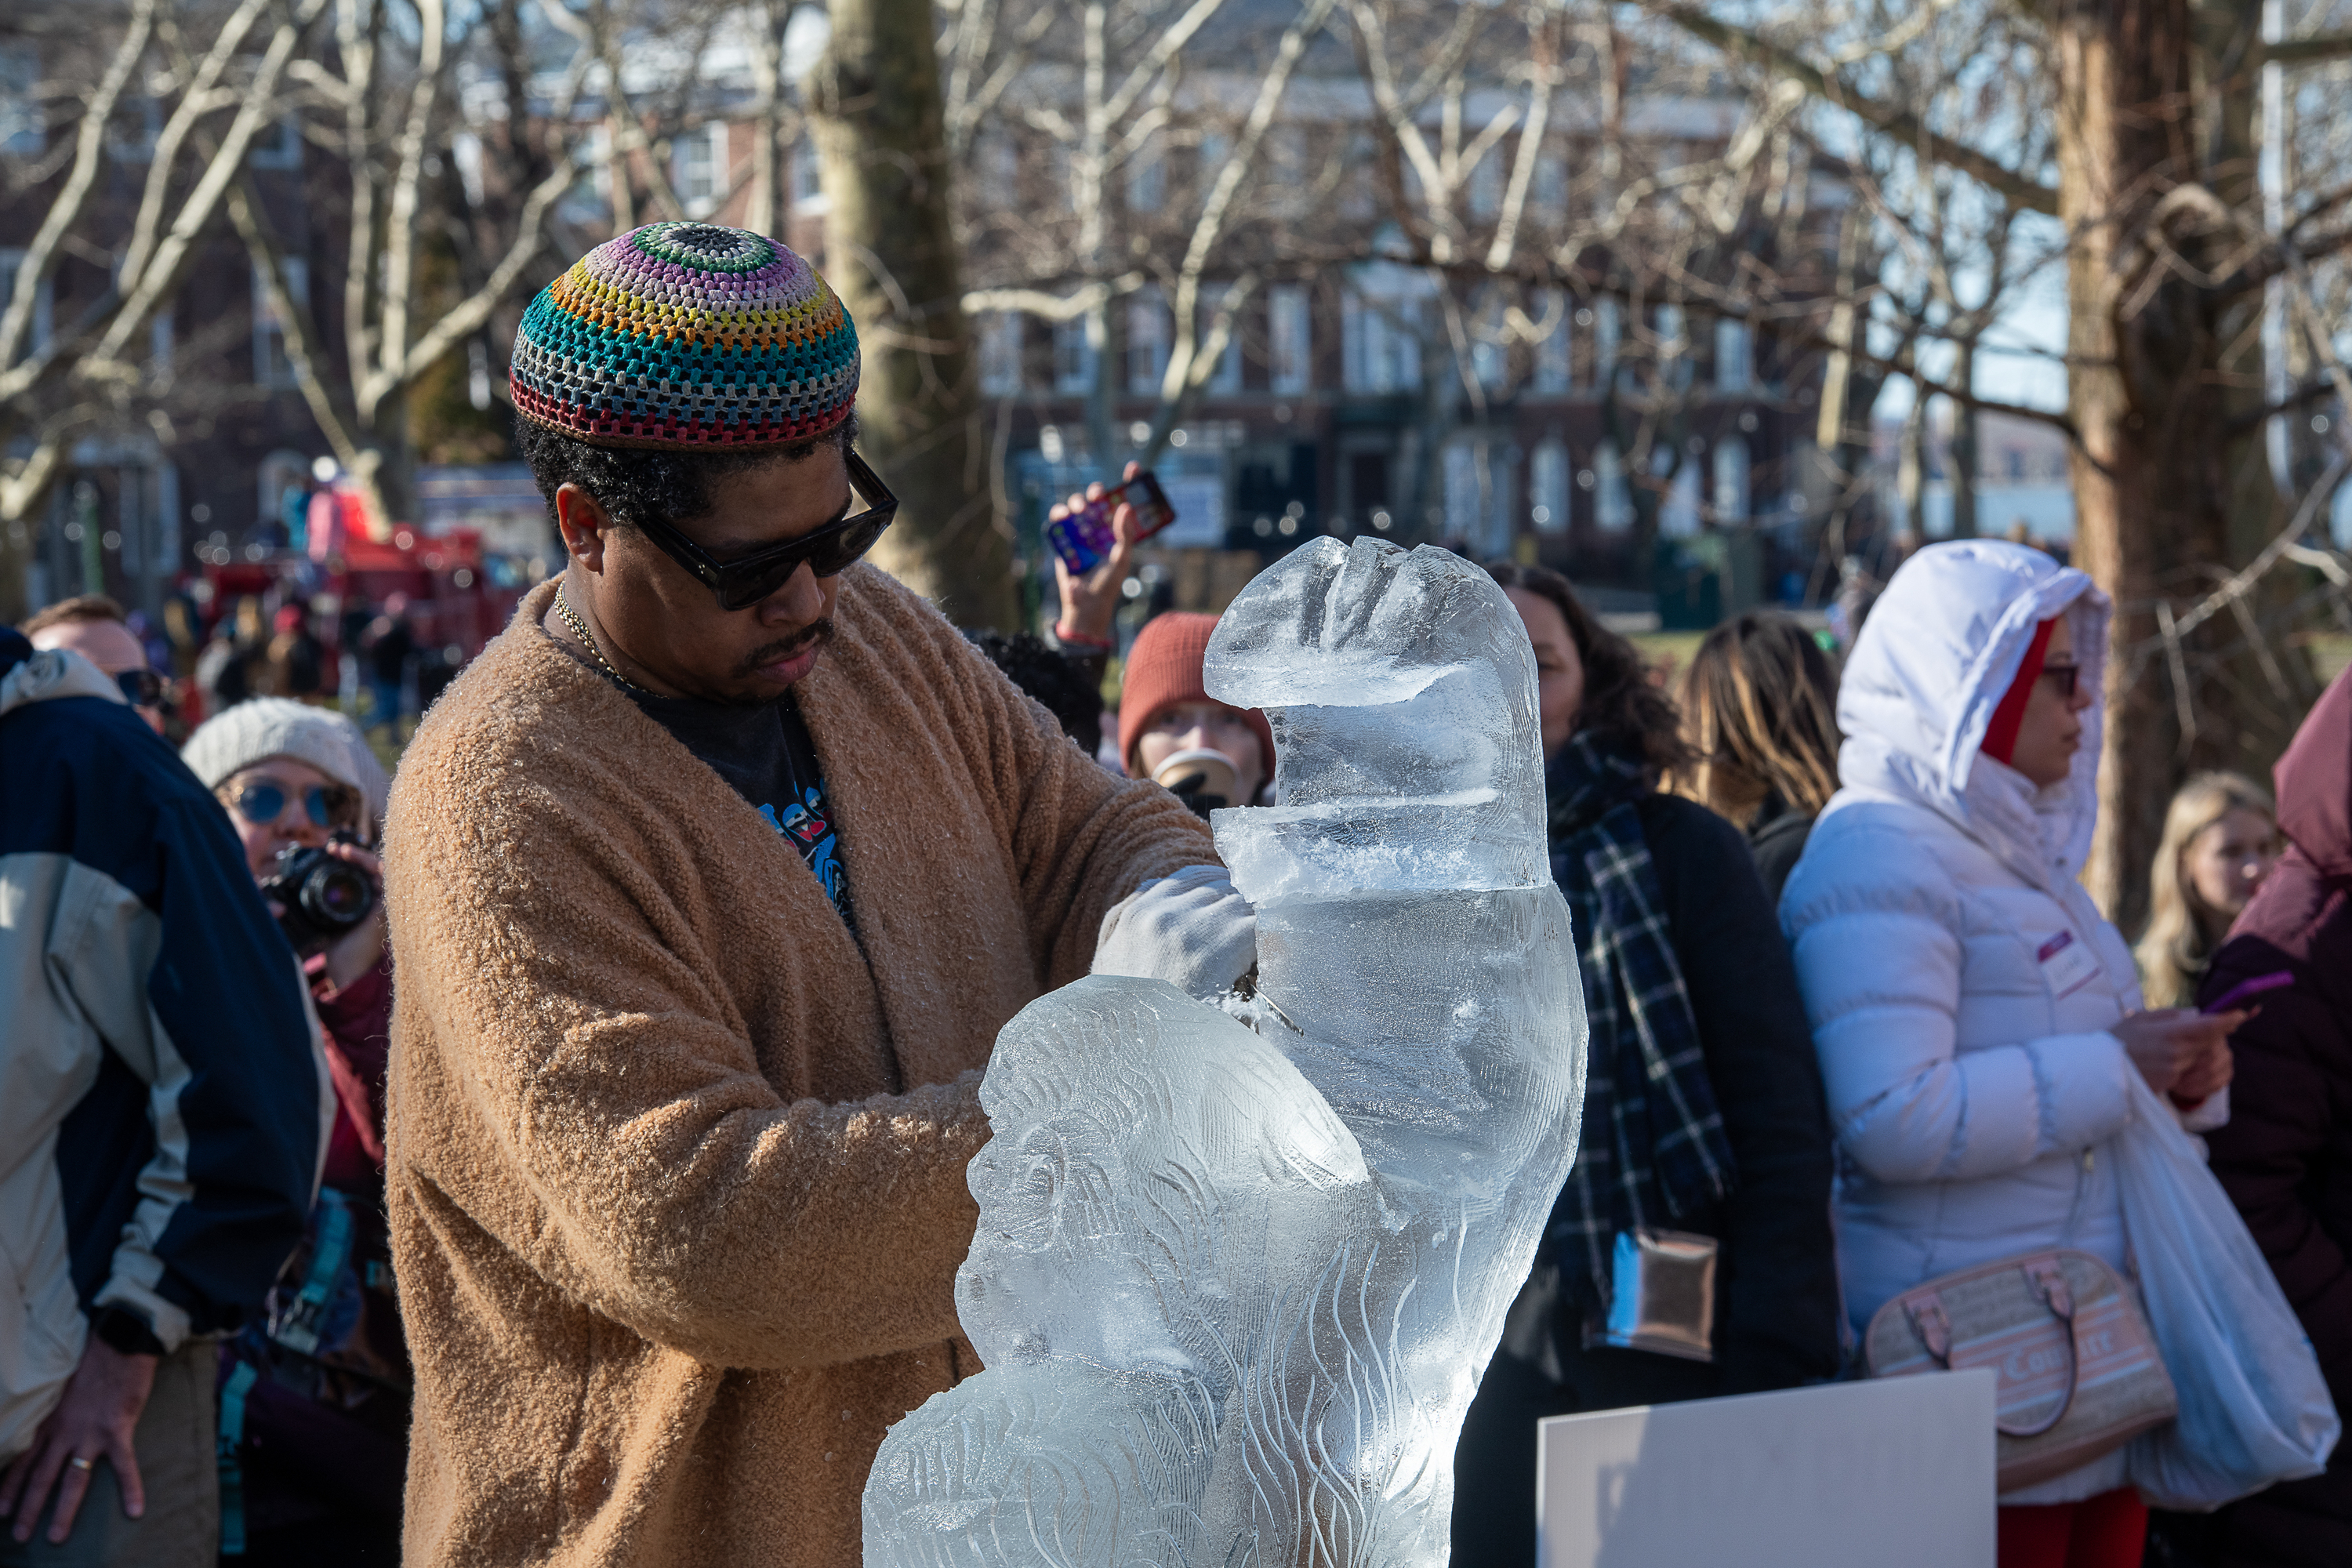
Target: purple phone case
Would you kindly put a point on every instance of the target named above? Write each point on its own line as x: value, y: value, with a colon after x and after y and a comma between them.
x: 2250, y: 988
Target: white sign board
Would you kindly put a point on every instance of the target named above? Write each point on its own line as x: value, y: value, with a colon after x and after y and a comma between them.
x: 1849, y: 1475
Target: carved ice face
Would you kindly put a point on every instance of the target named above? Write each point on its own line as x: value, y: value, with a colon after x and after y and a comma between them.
x: 1190, y: 1134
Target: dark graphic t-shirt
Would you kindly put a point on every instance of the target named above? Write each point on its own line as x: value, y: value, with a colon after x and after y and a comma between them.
x: 766, y: 754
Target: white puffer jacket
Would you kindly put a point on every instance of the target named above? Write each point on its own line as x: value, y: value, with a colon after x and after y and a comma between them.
x: 1959, y: 981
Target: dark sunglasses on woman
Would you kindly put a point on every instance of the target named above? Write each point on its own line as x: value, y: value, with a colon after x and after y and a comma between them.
x: 263, y: 802
x: 742, y: 582
x: 2065, y: 676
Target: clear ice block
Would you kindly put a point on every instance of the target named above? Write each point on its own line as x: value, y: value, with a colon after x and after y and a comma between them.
x: 1234, y: 1288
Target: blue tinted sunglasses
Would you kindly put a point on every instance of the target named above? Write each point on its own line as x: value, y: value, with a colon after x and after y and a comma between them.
x: 263, y: 802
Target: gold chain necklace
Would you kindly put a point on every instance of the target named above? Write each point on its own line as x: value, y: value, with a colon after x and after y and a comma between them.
x: 580, y: 629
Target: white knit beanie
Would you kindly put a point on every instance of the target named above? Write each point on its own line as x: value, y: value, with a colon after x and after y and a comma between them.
x: 269, y: 726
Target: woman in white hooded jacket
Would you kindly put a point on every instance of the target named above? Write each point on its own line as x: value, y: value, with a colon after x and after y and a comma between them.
x: 1975, y: 1016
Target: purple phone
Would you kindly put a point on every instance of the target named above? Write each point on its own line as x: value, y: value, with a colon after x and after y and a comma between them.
x: 2249, y: 990
x: 1084, y: 540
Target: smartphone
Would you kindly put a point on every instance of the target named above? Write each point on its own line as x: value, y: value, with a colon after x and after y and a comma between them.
x: 1084, y: 540
x: 2249, y: 991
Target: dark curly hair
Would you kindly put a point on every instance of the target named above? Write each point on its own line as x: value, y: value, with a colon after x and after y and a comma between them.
x: 1619, y: 697
x: 634, y: 486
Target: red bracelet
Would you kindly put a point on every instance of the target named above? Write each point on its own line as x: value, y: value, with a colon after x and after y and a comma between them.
x: 1080, y: 640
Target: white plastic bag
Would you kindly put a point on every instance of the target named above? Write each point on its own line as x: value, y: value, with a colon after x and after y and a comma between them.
x: 2254, y: 1408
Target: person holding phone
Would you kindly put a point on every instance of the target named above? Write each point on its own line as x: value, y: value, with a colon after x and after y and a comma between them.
x: 2285, y: 1156
x: 1092, y: 590
x: 1977, y: 1019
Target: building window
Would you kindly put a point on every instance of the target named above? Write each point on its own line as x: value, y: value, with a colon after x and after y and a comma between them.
x: 1731, y: 480
x: 1289, y: 340
x: 131, y: 129
x: 698, y: 168
x: 1547, y: 482
x: 12, y: 263
x: 1379, y: 347
x: 1547, y: 202
x: 1487, y: 187
x: 1612, y: 499
x: 281, y: 146
x: 1209, y: 157
x: 1360, y: 190
x: 270, y: 365
x: 1608, y: 327
x: 1147, y: 181
x: 1552, y: 374
x: 1147, y: 331
x: 997, y: 158
x: 1286, y: 168
x: 1000, y: 334
x: 162, y: 342
x: 1678, y: 514
x: 1074, y: 358
x: 1478, y: 510
x: 590, y: 199
x: 1490, y: 346
x: 808, y: 176
x: 1227, y: 379
x: 1732, y: 370
x: 24, y: 132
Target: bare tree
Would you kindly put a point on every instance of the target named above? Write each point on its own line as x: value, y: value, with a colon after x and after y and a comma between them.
x: 2151, y: 169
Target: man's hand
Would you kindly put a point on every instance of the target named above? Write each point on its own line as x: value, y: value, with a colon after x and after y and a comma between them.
x: 94, y: 1421
x: 1088, y: 603
x: 1192, y: 929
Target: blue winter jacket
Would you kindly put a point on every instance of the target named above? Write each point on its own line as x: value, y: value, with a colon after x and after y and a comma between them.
x: 164, y: 1100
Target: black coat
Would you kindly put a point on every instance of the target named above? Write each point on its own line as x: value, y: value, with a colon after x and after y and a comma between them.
x: 1777, y: 838
x: 1778, y: 1309
x: 2286, y: 1155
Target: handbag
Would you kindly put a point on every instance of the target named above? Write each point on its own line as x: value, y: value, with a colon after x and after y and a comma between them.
x: 2079, y: 1374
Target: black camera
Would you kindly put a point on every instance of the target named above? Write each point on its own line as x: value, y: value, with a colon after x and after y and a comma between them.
x: 319, y: 896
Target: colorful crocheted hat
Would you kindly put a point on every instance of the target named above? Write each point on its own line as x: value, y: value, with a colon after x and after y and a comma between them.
x: 689, y: 336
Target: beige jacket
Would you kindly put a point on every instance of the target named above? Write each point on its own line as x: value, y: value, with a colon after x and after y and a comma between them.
x: 677, y: 1173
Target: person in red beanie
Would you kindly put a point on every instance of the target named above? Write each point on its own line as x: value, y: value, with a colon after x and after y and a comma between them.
x: 1165, y: 716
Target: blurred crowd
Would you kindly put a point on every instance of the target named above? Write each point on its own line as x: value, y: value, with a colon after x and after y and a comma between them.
x: 1814, y: 891
x: 638, y: 1029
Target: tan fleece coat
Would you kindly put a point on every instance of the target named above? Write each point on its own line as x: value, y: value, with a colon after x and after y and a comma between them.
x: 677, y: 1174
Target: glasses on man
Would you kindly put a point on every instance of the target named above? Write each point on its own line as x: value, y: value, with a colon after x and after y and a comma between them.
x: 264, y: 802
x: 2064, y: 676
x: 144, y: 687
x: 745, y: 581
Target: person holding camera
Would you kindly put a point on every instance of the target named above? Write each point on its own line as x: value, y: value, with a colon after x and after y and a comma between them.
x: 315, y: 1391
x: 161, y: 1100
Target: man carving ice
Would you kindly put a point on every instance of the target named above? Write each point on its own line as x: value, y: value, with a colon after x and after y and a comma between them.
x: 710, y: 884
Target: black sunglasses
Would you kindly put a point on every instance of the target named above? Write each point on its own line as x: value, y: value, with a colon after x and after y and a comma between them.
x: 144, y: 687
x: 263, y: 802
x: 2064, y: 676
x: 831, y: 550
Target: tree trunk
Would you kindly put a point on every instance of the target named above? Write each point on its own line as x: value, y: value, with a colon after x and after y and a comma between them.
x: 890, y: 252
x: 2153, y: 475
x: 1961, y: 460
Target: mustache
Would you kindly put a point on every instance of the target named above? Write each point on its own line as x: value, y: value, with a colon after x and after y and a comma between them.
x: 814, y: 634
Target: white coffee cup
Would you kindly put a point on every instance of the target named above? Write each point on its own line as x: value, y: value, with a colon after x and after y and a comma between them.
x: 1218, y: 775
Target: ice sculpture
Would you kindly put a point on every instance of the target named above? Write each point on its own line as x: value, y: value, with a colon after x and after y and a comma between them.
x: 1239, y: 1270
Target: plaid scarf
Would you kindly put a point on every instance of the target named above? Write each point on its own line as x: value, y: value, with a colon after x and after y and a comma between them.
x: 1654, y: 1148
